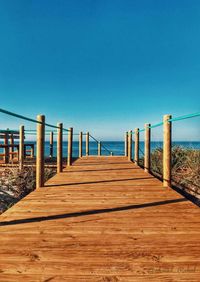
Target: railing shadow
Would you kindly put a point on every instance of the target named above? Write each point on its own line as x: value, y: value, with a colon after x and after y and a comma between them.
x: 90, y: 212
x: 99, y: 181
x: 97, y: 163
x: 97, y: 170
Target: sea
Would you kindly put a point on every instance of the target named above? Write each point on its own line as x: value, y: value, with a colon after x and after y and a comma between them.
x: 116, y: 147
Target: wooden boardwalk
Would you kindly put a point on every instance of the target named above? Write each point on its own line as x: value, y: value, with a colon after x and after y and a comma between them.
x: 103, y: 219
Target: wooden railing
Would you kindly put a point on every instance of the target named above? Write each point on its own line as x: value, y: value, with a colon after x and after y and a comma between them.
x: 22, y: 151
x: 167, y: 145
x: 60, y: 130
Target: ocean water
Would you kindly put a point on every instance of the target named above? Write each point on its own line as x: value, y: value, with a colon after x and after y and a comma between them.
x: 117, y: 147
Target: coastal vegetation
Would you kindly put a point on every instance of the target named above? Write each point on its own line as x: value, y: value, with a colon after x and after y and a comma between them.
x: 15, y: 184
x: 185, y: 168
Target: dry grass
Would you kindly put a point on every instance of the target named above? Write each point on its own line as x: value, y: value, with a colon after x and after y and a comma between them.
x: 185, y: 168
x: 15, y: 184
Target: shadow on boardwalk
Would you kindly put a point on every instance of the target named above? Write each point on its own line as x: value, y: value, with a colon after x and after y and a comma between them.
x: 92, y: 212
x: 93, y: 182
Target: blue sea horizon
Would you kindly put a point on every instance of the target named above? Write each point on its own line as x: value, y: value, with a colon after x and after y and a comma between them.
x: 117, y: 147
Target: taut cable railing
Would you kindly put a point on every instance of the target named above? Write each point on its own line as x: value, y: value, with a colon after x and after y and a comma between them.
x: 100, y: 146
x: 40, y: 154
x: 167, y: 151
x: 29, y: 119
x: 9, y: 145
x: 40, y: 134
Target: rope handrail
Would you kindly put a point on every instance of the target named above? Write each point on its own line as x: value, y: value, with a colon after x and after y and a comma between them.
x: 46, y: 133
x: 106, y: 148
x: 185, y: 117
x: 171, y: 120
x: 152, y: 126
x: 11, y: 131
x: 156, y: 125
x: 103, y: 146
x: 141, y: 151
x: 32, y: 131
x: 29, y: 131
x: 28, y: 119
x: 141, y: 130
x: 94, y: 138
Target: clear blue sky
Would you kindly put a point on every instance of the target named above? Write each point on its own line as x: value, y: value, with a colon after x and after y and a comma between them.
x: 103, y: 66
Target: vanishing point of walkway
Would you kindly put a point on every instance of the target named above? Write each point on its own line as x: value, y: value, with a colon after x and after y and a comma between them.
x: 103, y: 219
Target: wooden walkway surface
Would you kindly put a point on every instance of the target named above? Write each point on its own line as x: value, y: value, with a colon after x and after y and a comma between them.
x: 103, y: 219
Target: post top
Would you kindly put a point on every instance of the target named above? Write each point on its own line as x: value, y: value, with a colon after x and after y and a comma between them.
x: 41, y: 118
x: 38, y: 116
x: 166, y: 117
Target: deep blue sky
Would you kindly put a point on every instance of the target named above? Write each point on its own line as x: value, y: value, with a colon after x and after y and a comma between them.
x: 103, y: 66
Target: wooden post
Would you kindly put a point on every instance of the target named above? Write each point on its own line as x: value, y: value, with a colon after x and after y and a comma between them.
x: 147, y: 148
x: 87, y: 144
x: 80, y: 144
x: 99, y: 148
x: 12, y: 146
x: 70, y: 143
x: 51, y: 145
x: 130, y: 145
x: 59, y: 147
x: 126, y: 144
x: 6, y: 150
x: 25, y: 147
x: 40, y: 151
x: 137, y: 146
x: 18, y: 153
x: 21, y: 147
x: 167, y: 128
x: 32, y: 151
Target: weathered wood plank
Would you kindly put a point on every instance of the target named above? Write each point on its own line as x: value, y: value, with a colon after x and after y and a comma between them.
x: 102, y: 219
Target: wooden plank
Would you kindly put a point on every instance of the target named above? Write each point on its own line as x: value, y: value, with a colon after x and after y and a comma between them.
x: 101, y: 219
